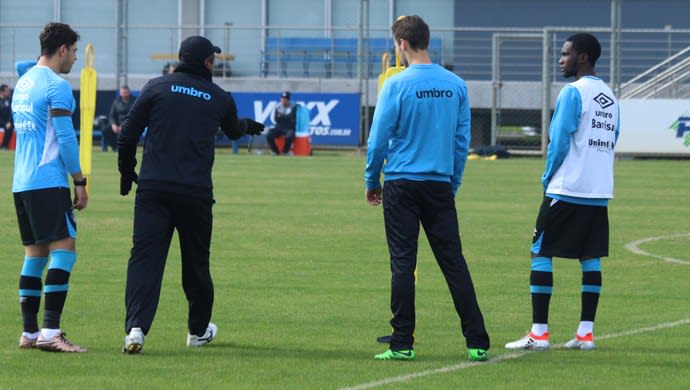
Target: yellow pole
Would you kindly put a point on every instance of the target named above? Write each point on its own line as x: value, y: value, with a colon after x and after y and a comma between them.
x: 386, y: 70
x: 87, y: 107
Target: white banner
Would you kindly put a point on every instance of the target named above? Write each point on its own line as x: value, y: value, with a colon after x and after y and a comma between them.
x: 654, y: 126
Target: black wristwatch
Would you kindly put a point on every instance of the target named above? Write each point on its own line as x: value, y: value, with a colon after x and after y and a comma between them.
x: 81, y: 182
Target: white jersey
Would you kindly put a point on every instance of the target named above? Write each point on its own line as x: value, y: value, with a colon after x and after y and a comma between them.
x: 584, y: 132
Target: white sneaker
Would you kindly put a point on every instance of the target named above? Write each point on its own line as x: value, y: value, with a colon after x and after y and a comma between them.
x: 531, y: 342
x: 197, y: 341
x: 134, y: 341
x: 585, y: 343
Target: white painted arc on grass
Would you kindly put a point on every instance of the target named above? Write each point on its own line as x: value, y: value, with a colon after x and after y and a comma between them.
x: 504, y: 357
x: 634, y: 248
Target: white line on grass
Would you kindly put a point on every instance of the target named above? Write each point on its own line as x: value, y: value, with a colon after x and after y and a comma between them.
x: 455, y: 367
x: 504, y: 357
x: 631, y: 246
x: 634, y: 248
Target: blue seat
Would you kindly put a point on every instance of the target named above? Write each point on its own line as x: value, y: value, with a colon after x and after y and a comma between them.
x: 281, y: 51
x: 317, y: 50
x: 273, y: 55
x: 345, y: 52
x: 303, y: 50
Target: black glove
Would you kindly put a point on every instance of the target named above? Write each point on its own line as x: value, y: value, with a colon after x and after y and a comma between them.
x: 253, y: 127
x: 126, y: 180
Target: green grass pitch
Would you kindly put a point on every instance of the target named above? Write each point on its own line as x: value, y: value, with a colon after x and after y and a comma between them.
x: 301, y: 274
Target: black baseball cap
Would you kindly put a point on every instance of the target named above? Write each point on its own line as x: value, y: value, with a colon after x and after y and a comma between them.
x: 285, y: 95
x: 196, y: 49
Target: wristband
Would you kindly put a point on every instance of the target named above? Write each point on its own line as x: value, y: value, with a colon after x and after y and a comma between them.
x: 81, y: 182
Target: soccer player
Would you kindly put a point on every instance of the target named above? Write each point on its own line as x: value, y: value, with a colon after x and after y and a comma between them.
x: 47, y: 152
x: 183, y: 111
x: 578, y: 183
x: 421, y: 127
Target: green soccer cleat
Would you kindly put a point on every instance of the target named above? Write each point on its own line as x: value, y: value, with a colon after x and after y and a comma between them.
x: 477, y: 355
x: 405, y: 354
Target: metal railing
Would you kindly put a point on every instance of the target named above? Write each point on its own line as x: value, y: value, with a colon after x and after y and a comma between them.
x: 662, y: 80
x: 466, y: 50
x: 519, y: 77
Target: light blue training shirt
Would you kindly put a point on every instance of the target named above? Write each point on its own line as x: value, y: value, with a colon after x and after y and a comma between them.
x: 45, y: 155
x: 421, y: 128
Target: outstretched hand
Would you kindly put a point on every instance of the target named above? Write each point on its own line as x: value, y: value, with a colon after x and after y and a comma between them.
x: 253, y: 127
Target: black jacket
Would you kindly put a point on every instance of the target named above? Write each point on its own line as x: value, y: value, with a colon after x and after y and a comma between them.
x: 285, y: 117
x: 5, y: 112
x: 119, y: 110
x: 183, y: 112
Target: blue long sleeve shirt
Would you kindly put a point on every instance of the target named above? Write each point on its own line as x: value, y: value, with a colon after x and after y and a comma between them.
x: 420, y: 129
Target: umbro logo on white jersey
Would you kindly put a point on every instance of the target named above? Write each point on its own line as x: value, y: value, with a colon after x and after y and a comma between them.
x: 603, y: 100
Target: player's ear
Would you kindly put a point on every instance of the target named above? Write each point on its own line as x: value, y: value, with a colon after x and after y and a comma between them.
x: 63, y: 50
x: 208, y: 62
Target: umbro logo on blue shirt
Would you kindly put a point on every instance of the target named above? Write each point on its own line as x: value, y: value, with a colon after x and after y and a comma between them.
x: 24, y: 84
x: 434, y: 93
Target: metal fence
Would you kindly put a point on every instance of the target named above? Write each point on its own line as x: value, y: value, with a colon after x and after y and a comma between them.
x: 468, y: 51
x: 512, y: 73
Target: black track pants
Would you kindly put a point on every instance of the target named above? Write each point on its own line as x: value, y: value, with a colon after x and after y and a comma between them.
x: 156, y: 215
x: 406, y: 203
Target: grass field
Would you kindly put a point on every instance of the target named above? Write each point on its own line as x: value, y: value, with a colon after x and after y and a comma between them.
x: 301, y: 274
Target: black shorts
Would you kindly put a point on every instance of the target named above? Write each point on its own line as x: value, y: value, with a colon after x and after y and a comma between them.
x: 45, y: 215
x: 571, y: 230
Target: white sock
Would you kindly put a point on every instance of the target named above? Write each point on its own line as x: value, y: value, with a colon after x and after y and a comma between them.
x: 49, y: 333
x: 31, y: 335
x: 584, y: 328
x: 539, y: 329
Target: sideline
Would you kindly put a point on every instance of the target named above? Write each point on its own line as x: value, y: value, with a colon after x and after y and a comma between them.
x: 634, y: 248
x: 506, y: 356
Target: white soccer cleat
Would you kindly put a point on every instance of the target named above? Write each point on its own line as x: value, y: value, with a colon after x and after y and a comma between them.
x: 531, y: 342
x: 208, y: 336
x: 584, y: 343
x: 134, y: 341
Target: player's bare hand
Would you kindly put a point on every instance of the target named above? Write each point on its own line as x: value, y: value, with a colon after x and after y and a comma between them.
x: 373, y: 196
x: 81, y: 197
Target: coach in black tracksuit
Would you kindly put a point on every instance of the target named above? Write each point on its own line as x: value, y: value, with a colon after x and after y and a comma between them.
x: 182, y: 111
